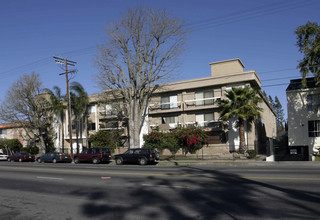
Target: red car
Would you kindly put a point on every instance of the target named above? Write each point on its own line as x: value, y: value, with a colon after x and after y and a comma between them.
x: 21, y: 157
x: 94, y: 155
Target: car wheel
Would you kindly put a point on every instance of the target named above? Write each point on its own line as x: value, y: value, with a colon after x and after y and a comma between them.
x: 39, y: 160
x: 157, y: 155
x: 76, y: 160
x: 119, y: 161
x: 20, y: 160
x: 143, y: 161
x: 95, y: 160
x: 54, y: 160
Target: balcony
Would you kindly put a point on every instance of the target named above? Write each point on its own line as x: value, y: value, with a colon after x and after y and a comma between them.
x: 165, y: 107
x: 205, y: 103
x: 103, y: 113
x: 207, y: 125
x: 187, y: 105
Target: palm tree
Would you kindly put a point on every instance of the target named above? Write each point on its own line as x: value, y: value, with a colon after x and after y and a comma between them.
x: 241, y: 103
x: 57, y: 100
x: 79, y: 103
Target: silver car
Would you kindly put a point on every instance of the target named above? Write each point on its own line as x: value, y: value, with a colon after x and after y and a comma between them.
x: 3, y: 156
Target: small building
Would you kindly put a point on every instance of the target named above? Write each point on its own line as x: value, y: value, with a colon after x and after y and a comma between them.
x: 13, y: 131
x: 303, y: 118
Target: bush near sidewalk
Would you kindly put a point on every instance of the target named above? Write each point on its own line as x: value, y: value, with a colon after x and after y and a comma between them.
x: 189, y: 139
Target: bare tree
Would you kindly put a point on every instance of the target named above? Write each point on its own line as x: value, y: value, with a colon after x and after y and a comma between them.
x: 27, y: 105
x: 141, y: 50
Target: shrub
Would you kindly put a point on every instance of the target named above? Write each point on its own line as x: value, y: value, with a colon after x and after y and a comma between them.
x: 153, y: 140
x: 191, y: 139
x: 252, y: 153
x: 32, y: 150
x: 161, y: 141
x: 110, y: 139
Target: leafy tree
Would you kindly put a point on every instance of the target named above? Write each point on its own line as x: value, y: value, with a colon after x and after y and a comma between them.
x: 308, y: 41
x: 110, y: 139
x: 79, y: 103
x: 141, y: 50
x: 242, y: 104
x: 57, y: 100
x: 277, y: 107
x: 280, y: 114
x: 14, y: 145
x: 26, y: 104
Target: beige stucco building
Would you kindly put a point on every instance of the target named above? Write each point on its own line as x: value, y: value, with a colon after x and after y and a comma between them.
x: 188, y: 102
x: 303, y: 117
x: 184, y: 103
x: 181, y: 103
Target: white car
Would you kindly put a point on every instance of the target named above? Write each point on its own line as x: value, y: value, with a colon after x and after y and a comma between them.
x: 3, y: 157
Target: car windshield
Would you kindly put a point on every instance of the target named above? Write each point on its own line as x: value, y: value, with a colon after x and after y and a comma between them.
x: 129, y: 152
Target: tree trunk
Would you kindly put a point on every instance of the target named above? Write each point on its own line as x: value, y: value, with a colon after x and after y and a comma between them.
x: 77, y: 135
x: 43, y: 148
x: 242, y: 146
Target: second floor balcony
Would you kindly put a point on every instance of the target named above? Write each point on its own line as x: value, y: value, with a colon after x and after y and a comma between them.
x: 187, y: 105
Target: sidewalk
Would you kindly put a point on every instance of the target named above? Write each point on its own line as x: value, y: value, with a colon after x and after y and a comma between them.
x: 242, y: 162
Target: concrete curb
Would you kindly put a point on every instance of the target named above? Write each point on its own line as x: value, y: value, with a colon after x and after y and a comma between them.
x: 236, y: 163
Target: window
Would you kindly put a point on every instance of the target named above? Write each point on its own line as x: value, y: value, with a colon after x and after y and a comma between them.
x: 2, y: 131
x: 111, y: 110
x: 112, y: 124
x: 204, y: 119
x: 314, y: 128
x: 204, y: 98
x: 92, y: 126
x: 312, y: 101
x: 92, y: 109
x: 170, y: 120
x: 169, y: 102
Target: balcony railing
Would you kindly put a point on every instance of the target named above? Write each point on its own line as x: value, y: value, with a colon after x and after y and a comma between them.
x: 202, y: 102
x: 165, y: 106
x: 183, y: 105
x: 108, y: 113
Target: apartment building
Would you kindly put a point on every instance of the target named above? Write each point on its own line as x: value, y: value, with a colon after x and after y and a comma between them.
x: 195, y: 101
x: 303, y: 118
x: 189, y: 102
x: 13, y: 131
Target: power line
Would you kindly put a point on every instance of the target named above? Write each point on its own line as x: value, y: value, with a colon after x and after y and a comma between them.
x: 248, y: 14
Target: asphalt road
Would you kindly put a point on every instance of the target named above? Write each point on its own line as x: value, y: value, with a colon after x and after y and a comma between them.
x: 106, y: 191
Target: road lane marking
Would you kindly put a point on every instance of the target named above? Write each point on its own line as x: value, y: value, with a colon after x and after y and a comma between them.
x: 166, y: 186
x: 49, y: 178
x: 159, y: 174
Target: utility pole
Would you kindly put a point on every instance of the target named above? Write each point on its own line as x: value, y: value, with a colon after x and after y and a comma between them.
x: 66, y: 63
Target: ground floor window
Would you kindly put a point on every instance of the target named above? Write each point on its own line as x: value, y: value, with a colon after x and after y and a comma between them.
x: 314, y: 128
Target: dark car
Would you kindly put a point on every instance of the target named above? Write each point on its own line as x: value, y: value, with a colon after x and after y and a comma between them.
x: 54, y: 157
x: 21, y: 157
x: 138, y: 155
x: 94, y: 155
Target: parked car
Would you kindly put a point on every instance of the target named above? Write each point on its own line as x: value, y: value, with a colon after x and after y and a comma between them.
x: 3, y: 156
x: 21, y: 157
x: 94, y: 155
x: 138, y: 155
x: 54, y: 157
